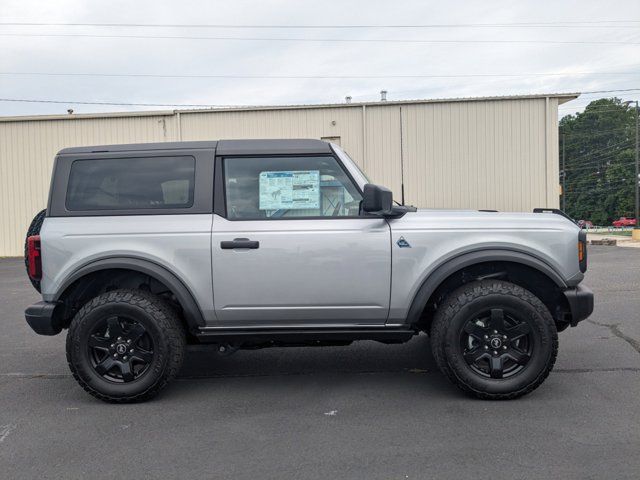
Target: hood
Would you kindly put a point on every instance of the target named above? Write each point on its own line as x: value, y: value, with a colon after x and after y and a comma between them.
x: 484, y: 220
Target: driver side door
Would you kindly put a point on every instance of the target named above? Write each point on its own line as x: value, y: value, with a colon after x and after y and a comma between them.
x: 291, y: 248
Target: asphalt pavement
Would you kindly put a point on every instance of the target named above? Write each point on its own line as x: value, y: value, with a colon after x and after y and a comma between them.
x: 367, y: 411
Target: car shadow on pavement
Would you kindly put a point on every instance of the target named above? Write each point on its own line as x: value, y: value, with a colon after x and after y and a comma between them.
x: 277, y: 373
x: 359, y: 357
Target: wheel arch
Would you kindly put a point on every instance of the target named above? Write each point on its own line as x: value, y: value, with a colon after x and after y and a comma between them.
x: 526, y: 270
x: 190, y: 310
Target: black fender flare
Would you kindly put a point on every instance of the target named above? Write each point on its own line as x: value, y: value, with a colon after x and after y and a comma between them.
x: 451, y: 266
x: 192, y: 313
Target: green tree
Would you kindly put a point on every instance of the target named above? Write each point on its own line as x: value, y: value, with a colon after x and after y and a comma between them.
x: 600, y: 155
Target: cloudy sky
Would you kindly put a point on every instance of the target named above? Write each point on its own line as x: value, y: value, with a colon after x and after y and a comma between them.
x: 454, y: 49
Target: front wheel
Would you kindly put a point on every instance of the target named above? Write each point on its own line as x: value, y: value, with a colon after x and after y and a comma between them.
x: 125, y: 346
x: 494, y: 339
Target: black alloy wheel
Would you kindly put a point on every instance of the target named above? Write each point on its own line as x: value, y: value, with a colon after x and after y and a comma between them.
x: 120, y: 349
x: 125, y: 345
x: 497, y: 344
x: 494, y: 339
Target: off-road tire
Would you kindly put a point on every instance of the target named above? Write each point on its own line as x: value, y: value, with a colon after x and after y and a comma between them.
x: 34, y: 229
x: 162, y: 323
x: 456, y: 310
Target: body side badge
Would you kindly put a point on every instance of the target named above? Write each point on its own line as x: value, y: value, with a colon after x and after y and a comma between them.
x: 402, y: 243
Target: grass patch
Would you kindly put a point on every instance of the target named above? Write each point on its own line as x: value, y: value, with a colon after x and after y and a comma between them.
x: 619, y: 233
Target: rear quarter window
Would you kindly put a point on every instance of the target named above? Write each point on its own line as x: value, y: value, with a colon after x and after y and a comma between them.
x: 131, y: 183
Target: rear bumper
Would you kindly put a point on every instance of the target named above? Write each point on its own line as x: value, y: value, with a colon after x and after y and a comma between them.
x: 580, y: 301
x: 40, y: 317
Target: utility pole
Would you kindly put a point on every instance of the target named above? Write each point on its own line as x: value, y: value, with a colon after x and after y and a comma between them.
x: 637, y: 179
x: 564, y: 177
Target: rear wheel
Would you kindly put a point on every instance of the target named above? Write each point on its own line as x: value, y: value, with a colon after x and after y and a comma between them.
x: 494, y: 339
x: 125, y: 346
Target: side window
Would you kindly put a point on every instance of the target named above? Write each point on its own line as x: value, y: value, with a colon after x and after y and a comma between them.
x: 131, y: 183
x: 281, y: 187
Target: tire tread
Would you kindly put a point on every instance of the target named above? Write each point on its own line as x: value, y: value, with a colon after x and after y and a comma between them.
x: 455, y: 301
x: 168, y: 322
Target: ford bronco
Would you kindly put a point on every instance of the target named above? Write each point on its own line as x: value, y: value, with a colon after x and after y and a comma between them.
x: 241, y: 244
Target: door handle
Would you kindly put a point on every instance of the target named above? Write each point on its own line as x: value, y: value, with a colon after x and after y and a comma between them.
x: 239, y: 243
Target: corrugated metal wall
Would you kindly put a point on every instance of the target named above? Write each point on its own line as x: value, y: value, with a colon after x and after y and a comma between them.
x: 497, y: 154
x: 27, y: 150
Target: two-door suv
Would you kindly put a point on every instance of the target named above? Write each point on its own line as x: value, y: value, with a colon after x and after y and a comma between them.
x: 146, y: 248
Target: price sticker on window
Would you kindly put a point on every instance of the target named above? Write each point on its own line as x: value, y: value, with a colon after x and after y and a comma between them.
x: 290, y: 190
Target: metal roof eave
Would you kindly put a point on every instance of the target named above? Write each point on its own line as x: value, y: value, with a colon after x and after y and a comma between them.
x: 562, y: 98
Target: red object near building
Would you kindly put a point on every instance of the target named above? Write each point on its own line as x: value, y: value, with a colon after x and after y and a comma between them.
x: 624, y: 222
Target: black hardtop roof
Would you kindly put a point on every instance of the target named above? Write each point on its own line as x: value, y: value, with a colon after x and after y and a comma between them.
x: 222, y: 147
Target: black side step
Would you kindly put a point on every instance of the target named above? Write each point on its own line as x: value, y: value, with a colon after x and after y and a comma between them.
x: 302, y: 335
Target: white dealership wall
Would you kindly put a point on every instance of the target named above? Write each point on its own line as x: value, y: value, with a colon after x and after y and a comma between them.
x: 480, y: 153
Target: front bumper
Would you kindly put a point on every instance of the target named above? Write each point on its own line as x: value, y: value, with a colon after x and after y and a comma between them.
x: 580, y: 302
x: 41, y: 318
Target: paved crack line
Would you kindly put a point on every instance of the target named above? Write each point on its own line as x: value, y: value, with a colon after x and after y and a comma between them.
x: 596, y: 370
x: 5, y: 430
x: 635, y: 344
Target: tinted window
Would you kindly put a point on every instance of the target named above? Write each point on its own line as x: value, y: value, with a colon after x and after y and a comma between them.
x: 270, y: 187
x: 131, y: 183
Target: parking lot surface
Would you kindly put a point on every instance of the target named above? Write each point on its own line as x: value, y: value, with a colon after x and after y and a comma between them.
x: 365, y: 411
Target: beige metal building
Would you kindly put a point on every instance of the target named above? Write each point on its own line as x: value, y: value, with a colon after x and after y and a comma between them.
x: 480, y: 153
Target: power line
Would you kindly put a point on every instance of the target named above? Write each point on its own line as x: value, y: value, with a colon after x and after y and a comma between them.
x: 598, y: 92
x: 597, y: 132
x: 603, y: 183
x: 594, y: 162
x: 585, y: 93
x: 210, y: 105
x: 597, y: 167
x: 602, y: 164
x: 611, y: 158
x: 581, y: 93
x: 599, y: 191
x: 69, y: 102
x: 556, y: 24
x: 598, y: 160
x: 609, y: 187
x: 591, y: 110
x: 325, y: 40
x: 610, y: 91
x: 586, y: 110
x: 313, y: 77
x: 610, y: 106
x: 600, y: 105
x: 603, y: 149
x: 597, y: 107
x: 220, y: 105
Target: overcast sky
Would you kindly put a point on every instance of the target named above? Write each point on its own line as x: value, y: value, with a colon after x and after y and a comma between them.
x: 76, y: 54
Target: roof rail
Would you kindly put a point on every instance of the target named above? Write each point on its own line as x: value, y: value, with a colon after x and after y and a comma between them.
x: 557, y: 211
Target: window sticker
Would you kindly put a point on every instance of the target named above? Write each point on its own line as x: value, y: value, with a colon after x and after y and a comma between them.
x: 290, y: 190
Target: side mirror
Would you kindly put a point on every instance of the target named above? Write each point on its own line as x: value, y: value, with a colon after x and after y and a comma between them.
x: 377, y: 199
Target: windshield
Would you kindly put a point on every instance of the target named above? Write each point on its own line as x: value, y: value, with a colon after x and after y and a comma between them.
x: 342, y: 152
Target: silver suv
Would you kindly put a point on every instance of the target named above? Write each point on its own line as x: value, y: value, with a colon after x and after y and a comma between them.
x: 146, y: 248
